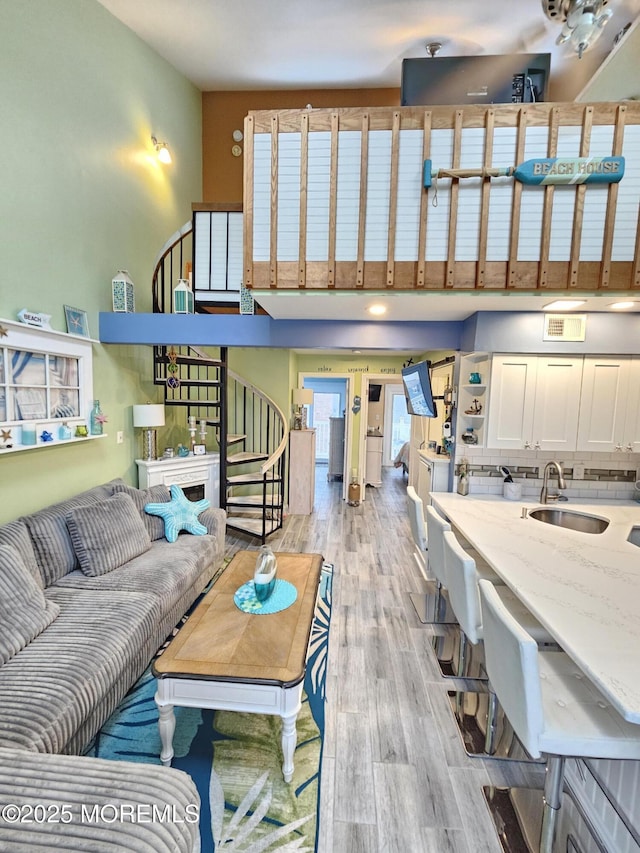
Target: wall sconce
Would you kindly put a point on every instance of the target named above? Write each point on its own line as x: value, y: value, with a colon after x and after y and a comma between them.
x: 164, y: 155
x: 302, y: 397
x: 148, y: 417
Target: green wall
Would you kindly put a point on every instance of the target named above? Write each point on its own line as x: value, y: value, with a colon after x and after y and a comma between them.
x: 83, y: 195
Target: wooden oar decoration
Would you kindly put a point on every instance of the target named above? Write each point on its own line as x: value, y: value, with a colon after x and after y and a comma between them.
x: 544, y: 171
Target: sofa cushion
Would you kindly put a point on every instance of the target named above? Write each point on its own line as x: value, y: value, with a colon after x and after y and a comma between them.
x: 166, y: 571
x: 16, y: 535
x: 50, y: 536
x: 96, y: 648
x: 107, y: 534
x: 24, y: 612
x: 140, y: 497
x: 75, y: 791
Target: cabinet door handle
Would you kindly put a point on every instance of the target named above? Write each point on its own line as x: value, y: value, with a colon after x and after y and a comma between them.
x: 527, y: 445
x: 630, y: 447
x: 618, y: 447
x: 537, y: 446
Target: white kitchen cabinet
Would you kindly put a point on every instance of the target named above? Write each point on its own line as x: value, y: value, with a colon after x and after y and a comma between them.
x: 610, y: 405
x: 433, y: 475
x: 373, y: 462
x: 534, y: 402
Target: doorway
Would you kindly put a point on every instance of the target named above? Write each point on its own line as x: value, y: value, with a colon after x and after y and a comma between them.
x: 397, y: 423
x: 330, y: 416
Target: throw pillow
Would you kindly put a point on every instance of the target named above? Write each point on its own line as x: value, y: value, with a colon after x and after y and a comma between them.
x: 140, y: 497
x: 24, y: 611
x: 107, y: 534
x: 179, y: 514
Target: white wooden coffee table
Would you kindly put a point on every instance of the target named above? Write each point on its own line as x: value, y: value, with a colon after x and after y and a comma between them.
x: 225, y: 659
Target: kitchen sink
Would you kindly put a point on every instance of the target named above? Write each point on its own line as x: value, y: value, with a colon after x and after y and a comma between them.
x: 581, y: 521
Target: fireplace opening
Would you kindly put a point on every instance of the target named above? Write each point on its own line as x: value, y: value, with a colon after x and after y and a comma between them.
x: 194, y: 493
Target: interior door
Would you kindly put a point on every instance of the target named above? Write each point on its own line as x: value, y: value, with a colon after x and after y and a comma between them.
x: 397, y: 423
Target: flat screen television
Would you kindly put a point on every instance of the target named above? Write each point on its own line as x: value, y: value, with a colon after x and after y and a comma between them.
x: 416, y: 380
x: 374, y: 393
x: 483, y: 79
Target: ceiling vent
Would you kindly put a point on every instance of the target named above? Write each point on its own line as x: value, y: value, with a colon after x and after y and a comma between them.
x: 564, y: 327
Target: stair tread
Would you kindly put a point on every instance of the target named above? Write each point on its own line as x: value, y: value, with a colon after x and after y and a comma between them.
x: 246, y: 456
x: 253, y: 526
x: 254, y: 500
x: 232, y: 438
x: 251, y: 477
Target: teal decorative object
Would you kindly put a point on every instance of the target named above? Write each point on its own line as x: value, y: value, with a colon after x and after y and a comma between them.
x: 264, y: 578
x: 179, y: 514
x: 64, y: 432
x: 96, y: 419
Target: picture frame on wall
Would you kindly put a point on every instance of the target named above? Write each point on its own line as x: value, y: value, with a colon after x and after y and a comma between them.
x: 77, y: 322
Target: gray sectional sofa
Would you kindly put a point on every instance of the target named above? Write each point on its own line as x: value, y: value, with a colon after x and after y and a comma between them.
x: 89, y: 590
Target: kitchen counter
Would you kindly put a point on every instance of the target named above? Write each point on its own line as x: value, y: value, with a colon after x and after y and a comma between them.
x: 583, y: 587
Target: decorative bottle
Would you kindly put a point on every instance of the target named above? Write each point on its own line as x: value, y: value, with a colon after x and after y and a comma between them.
x: 64, y: 432
x: 463, y: 478
x: 95, y: 425
x: 264, y: 578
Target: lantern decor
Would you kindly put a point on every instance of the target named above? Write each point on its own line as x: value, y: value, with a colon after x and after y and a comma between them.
x: 122, y: 293
x: 183, y: 297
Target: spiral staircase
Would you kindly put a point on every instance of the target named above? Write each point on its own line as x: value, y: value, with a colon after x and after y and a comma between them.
x: 250, y: 429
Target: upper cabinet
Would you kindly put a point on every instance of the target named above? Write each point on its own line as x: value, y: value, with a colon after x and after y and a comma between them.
x: 610, y: 405
x: 534, y: 402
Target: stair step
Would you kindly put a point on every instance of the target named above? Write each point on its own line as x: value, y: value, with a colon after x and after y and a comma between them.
x: 253, y: 500
x: 250, y: 525
x: 245, y: 456
x: 234, y: 439
x: 185, y: 382
x: 251, y: 477
x: 193, y: 359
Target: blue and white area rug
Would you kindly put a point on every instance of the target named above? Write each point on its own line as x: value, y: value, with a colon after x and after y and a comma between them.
x: 235, y: 759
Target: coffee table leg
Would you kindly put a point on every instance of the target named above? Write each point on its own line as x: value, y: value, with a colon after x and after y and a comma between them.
x: 167, y: 726
x: 289, y: 740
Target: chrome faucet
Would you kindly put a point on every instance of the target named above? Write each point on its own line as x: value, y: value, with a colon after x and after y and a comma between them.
x: 545, y: 497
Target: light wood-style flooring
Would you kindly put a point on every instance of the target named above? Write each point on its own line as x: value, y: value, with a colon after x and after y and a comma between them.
x: 395, y: 777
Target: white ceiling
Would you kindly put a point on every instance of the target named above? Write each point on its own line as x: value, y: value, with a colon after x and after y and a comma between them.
x: 343, y: 305
x: 307, y: 44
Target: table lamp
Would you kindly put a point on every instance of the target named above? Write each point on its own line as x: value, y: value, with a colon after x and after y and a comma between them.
x: 148, y: 417
x: 302, y: 397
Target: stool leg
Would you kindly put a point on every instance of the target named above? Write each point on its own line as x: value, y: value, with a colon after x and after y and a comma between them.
x: 554, y: 776
x: 492, y: 723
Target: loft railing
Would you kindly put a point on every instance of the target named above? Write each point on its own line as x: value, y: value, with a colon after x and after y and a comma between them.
x: 336, y: 199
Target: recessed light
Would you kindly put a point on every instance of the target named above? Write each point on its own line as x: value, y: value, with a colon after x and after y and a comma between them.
x: 563, y: 305
x: 377, y: 309
x: 622, y: 306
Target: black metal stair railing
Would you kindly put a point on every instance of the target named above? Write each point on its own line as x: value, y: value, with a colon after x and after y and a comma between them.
x: 250, y: 427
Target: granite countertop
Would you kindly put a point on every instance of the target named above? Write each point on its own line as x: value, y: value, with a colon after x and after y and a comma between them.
x: 584, y: 587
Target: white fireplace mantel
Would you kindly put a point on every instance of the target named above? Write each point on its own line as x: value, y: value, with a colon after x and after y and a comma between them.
x: 184, y: 471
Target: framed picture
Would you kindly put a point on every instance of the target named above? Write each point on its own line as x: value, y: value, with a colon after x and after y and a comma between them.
x: 77, y: 323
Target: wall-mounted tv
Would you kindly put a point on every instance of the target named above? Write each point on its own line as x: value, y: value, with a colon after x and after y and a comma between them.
x: 374, y: 393
x: 416, y: 380
x: 483, y: 79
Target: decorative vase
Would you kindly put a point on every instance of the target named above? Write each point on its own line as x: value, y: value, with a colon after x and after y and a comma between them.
x: 64, y: 432
x: 264, y: 578
x: 95, y: 424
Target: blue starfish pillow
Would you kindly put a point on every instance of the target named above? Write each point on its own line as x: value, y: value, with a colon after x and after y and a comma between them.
x: 179, y: 514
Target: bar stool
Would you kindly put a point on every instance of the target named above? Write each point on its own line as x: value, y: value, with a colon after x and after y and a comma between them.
x: 553, y: 708
x: 430, y: 606
x: 437, y: 526
x: 463, y: 579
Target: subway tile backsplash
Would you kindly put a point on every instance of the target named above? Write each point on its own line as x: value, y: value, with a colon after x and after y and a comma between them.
x: 609, y: 476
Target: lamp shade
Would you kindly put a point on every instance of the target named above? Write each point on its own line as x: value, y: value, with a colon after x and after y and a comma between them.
x: 149, y: 415
x: 302, y: 396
